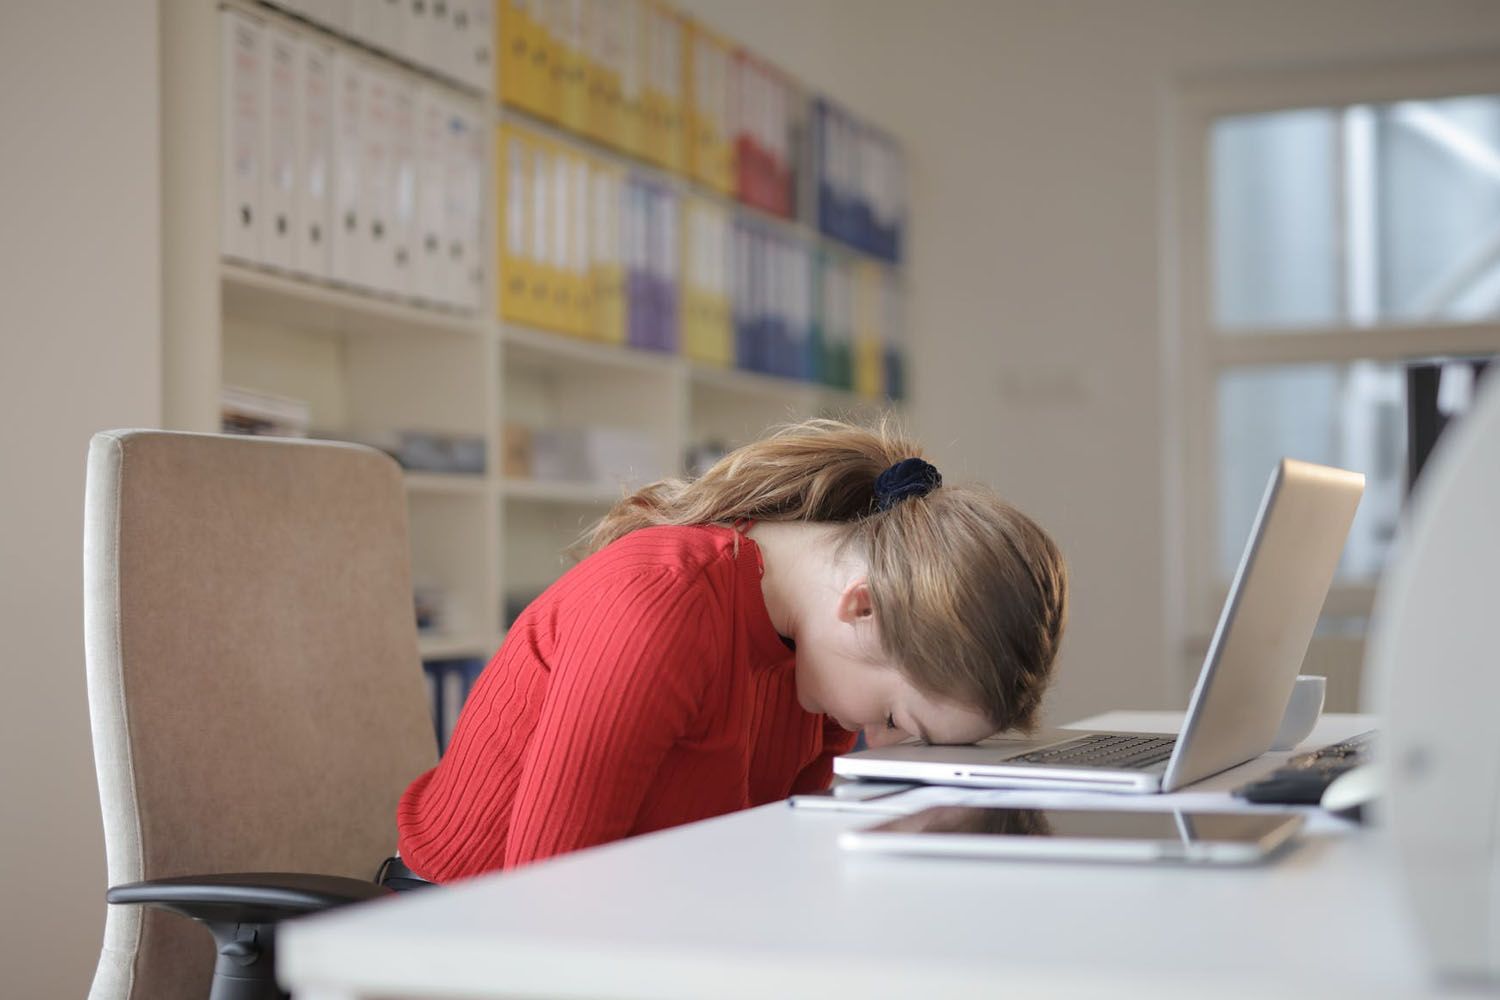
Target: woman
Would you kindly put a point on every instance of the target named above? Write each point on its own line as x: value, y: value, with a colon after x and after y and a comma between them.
x: 726, y: 639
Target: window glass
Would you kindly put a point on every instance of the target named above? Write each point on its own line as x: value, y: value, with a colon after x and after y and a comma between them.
x: 1353, y: 216
x: 1352, y: 416
x: 1438, y: 209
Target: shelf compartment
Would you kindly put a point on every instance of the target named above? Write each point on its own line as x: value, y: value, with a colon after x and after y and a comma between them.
x: 529, y: 347
x: 574, y: 494
x: 758, y: 384
x: 446, y: 484
x: 266, y: 297
x: 442, y: 646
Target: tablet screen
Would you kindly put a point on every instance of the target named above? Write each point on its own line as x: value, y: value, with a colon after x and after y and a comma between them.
x: 1080, y: 834
x: 1089, y: 824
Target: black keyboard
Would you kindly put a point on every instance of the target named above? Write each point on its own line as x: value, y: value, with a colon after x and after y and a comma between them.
x: 1100, y: 750
x: 1303, y: 778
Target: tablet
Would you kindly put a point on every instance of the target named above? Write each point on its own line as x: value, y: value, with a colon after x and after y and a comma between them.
x: 852, y: 796
x: 1080, y: 834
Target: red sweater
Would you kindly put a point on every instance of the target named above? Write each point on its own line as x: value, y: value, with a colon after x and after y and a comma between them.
x: 645, y: 689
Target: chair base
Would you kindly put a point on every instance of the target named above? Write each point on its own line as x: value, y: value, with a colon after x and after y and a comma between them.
x: 246, y: 966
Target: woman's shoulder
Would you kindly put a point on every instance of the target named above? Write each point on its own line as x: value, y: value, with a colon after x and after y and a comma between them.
x: 648, y: 574
x: 685, y: 549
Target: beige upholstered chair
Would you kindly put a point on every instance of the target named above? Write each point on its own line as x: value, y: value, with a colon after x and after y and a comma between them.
x: 254, y: 682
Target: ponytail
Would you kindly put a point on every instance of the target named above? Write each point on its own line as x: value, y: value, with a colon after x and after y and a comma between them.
x: 818, y: 470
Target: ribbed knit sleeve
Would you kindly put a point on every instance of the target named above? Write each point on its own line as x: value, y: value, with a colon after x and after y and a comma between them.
x: 819, y: 774
x: 628, y: 687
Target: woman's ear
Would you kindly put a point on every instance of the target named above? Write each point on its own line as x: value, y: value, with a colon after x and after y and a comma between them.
x: 855, y: 603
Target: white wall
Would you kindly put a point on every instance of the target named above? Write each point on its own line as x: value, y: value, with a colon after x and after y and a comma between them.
x: 1033, y: 131
x: 79, y: 351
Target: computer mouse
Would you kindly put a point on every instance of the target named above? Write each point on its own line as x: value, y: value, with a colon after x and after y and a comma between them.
x: 1349, y: 793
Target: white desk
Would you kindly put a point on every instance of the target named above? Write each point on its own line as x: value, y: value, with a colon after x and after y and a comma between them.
x: 764, y: 904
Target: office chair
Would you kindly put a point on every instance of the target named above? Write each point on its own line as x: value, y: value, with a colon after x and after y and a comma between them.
x: 255, y: 692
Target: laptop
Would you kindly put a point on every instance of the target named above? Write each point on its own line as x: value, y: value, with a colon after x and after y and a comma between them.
x: 1243, y: 687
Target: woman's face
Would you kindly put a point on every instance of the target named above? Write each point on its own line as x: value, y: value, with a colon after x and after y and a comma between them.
x: 843, y: 673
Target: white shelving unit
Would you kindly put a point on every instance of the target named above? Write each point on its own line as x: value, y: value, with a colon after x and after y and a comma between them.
x: 368, y: 364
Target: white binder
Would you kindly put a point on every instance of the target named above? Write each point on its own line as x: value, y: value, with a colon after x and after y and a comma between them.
x: 376, y: 23
x: 241, y: 157
x: 665, y: 262
x: 360, y: 25
x: 467, y: 229
x: 415, y: 30
x: 540, y: 216
x: 455, y: 179
x: 335, y: 14
x: 348, y: 221
x: 474, y: 52
x: 800, y: 293
x: 376, y: 179
x: 280, y: 82
x: 401, y: 253
x: 388, y: 17
x: 578, y: 230
x: 314, y: 202
x: 561, y: 260
x: 772, y: 311
x: 430, y: 246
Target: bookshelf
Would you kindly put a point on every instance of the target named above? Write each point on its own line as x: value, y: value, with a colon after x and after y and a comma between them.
x: 369, y: 364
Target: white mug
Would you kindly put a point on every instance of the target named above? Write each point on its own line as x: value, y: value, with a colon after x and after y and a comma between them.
x: 1302, y: 711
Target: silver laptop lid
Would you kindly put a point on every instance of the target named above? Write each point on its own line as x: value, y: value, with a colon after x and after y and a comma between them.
x: 1267, y: 620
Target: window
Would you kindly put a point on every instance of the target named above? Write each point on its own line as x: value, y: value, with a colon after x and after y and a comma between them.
x: 1333, y: 234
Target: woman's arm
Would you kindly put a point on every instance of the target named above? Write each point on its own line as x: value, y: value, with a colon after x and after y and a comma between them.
x: 819, y: 774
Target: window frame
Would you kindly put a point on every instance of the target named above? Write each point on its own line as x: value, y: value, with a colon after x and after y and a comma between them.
x: 1195, y: 351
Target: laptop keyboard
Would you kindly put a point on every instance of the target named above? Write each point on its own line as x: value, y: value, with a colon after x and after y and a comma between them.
x: 1100, y: 750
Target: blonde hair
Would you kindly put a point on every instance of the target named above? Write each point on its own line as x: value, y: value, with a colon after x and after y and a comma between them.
x: 970, y: 594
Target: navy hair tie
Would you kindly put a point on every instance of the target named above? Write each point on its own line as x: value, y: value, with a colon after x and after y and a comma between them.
x: 910, y: 477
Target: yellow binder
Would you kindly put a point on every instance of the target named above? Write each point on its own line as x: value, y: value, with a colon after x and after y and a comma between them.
x: 551, y: 43
x: 573, y: 75
x: 707, y: 151
x: 513, y: 52
x: 542, y: 261
x: 595, y: 34
x: 631, y: 124
x: 579, y: 318
x: 609, y: 108
x: 670, y: 56
x: 560, y: 305
x: 515, y: 165
x: 606, y: 260
x: 653, y: 101
x: 707, y: 334
x: 525, y: 62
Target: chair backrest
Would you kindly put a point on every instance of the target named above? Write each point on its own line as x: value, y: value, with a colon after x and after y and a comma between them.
x: 255, y: 688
